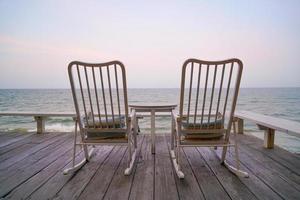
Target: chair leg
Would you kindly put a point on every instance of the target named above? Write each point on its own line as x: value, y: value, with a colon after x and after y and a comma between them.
x: 236, y: 170
x: 224, y: 151
x: 131, y: 156
x: 87, y: 156
x: 74, y: 147
x: 129, y: 151
x: 172, y: 134
x: 135, y: 134
x: 176, y: 160
x: 77, y: 166
x: 135, y: 130
x: 236, y: 150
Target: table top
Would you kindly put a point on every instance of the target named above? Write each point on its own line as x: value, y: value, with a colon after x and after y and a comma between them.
x: 154, y: 106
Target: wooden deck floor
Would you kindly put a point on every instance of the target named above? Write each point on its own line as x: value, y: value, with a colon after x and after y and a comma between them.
x: 31, y: 168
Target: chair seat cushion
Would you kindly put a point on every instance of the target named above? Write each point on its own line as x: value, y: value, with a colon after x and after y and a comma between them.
x: 215, y: 124
x: 111, y: 128
x: 212, y: 125
x: 204, y: 136
x: 116, y: 122
x: 100, y: 134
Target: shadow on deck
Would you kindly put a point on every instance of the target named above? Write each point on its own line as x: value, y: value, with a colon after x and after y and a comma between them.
x: 31, y: 167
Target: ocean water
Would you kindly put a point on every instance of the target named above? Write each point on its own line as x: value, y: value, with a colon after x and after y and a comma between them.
x: 278, y: 102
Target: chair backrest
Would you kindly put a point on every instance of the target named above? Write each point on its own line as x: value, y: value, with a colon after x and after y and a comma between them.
x: 209, y: 91
x: 100, y: 94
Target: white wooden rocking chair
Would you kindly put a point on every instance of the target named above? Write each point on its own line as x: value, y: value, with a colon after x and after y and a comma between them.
x: 207, y: 104
x: 100, y: 98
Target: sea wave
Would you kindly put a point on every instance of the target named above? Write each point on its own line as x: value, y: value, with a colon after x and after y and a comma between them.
x: 53, y: 120
x: 15, y: 130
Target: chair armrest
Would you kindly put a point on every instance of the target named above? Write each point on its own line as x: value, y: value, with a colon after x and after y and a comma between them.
x: 132, y: 116
x: 81, y: 121
x: 177, y: 122
x: 175, y: 116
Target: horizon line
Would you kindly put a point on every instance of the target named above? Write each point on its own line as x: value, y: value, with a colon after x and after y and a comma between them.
x: 275, y: 87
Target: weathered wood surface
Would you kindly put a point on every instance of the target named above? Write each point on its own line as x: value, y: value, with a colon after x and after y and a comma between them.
x: 31, y: 168
x: 39, y: 114
x: 142, y: 185
x: 287, y: 126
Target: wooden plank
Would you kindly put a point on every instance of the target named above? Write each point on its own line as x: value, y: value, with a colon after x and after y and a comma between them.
x: 39, y: 175
x: 257, y: 186
x: 27, y: 188
x: 120, y: 185
x: 57, y: 182
x: 42, y: 114
x: 279, y: 155
x: 269, y: 177
x: 14, y: 181
x: 15, y: 152
x: 22, y: 152
x: 100, y: 182
x: 143, y: 182
x: 11, y: 135
x: 10, y: 139
x: 32, y: 138
x: 164, y: 182
x: 7, y: 159
x: 209, y: 184
x: 287, y: 126
x: 90, y: 184
x: 273, y: 166
x: 5, y: 133
x: 188, y: 187
x: 234, y: 187
x: 32, y: 159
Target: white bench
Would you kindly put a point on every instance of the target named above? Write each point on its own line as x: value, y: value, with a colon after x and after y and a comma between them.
x: 39, y: 117
x: 268, y: 124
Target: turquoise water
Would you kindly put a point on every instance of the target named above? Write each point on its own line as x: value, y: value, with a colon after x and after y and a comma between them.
x: 277, y: 102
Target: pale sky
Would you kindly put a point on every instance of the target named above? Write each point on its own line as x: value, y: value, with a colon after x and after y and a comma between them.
x: 152, y: 38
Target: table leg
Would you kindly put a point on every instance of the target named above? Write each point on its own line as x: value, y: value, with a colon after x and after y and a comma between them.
x: 136, y: 125
x: 153, y: 131
x: 172, y: 133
